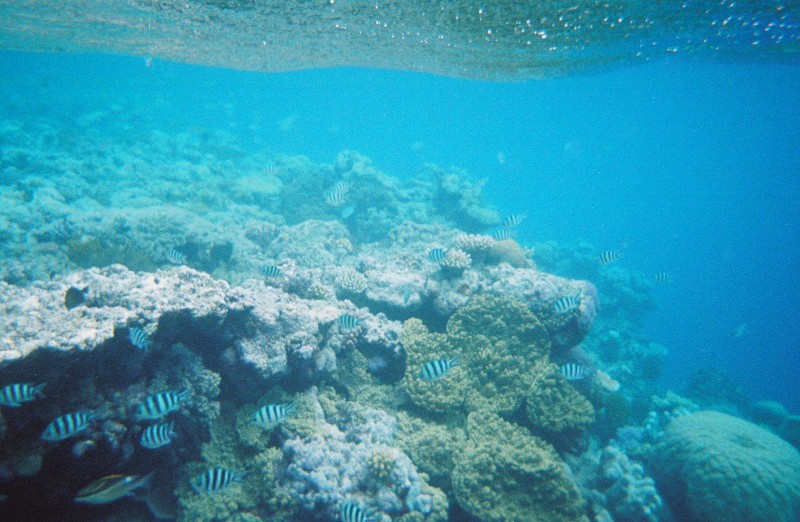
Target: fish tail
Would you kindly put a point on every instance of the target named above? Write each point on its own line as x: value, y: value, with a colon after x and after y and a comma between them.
x: 184, y: 393
x: 37, y: 390
x: 455, y: 361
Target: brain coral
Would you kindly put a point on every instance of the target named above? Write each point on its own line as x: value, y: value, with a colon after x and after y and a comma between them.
x: 554, y: 404
x: 506, y: 475
x: 715, y: 467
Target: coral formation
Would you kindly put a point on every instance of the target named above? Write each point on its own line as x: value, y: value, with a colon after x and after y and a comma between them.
x: 713, y: 467
x: 553, y: 403
x: 506, y: 475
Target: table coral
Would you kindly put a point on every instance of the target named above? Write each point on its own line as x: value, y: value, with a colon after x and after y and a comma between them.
x: 506, y: 475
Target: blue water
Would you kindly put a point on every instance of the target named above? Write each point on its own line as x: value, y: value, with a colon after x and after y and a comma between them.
x: 695, y: 166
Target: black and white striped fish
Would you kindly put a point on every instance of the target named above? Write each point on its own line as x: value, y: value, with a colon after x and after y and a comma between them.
x: 662, y: 277
x: 437, y: 369
x: 352, y: 512
x: 609, y: 256
x: 502, y: 234
x: 157, y: 435
x: 271, y: 271
x: 14, y: 395
x: 272, y: 169
x: 512, y: 220
x: 347, y: 322
x: 573, y: 371
x: 176, y: 257
x: 271, y: 415
x: 138, y: 339
x: 216, y: 479
x: 567, y: 303
x: 67, y: 426
x: 338, y: 194
x: 160, y: 404
x: 437, y: 254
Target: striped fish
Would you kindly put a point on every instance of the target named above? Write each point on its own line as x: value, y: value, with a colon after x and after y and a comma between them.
x: 573, y: 371
x: 502, y: 234
x: 14, y: 395
x: 338, y: 195
x: 157, y: 435
x: 138, y: 339
x: 272, y: 169
x: 512, y: 220
x: 609, y: 256
x: 67, y: 426
x: 352, y: 512
x: 160, y: 404
x: 216, y: 479
x: 437, y: 254
x: 662, y: 277
x: 271, y: 271
x: 175, y: 257
x: 271, y: 415
x: 435, y: 370
x: 347, y: 322
x: 567, y: 303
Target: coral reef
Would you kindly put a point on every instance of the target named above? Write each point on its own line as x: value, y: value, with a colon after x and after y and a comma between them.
x: 712, y: 467
x: 506, y: 475
x: 553, y: 403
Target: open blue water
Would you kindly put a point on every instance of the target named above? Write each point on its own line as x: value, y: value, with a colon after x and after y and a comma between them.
x: 695, y: 166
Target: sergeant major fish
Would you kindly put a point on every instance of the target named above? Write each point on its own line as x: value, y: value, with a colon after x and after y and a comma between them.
x: 67, y: 426
x: 14, y: 395
x: 271, y: 415
x: 573, y: 371
x: 609, y: 256
x: 138, y: 339
x: 567, y: 303
x: 160, y: 404
x: 347, y: 322
x: 437, y: 254
x: 216, y: 479
x: 157, y: 435
x: 438, y: 369
x: 352, y: 512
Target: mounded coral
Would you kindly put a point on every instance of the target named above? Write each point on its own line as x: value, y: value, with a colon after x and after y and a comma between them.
x: 714, y: 467
x: 433, y: 447
x: 554, y: 404
x: 506, y: 475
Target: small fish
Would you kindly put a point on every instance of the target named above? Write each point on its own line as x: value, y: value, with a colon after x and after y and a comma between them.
x: 67, y: 426
x: 501, y: 234
x: 437, y: 254
x: 662, y: 277
x: 609, y: 256
x: 739, y: 331
x: 512, y: 220
x: 138, y: 339
x: 605, y: 380
x: 271, y: 415
x: 14, y: 395
x: 160, y: 404
x: 175, y: 257
x: 216, y: 479
x: 338, y: 195
x: 157, y: 435
x: 352, y: 512
x: 110, y: 488
x: 272, y: 169
x: 573, y: 371
x: 567, y: 303
x: 75, y: 297
x: 438, y: 369
x: 271, y: 271
x: 347, y: 322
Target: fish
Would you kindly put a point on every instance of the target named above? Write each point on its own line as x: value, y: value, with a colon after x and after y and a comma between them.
x: 160, y: 404
x: 271, y: 271
x: 406, y: 294
x: 338, y: 195
x: 438, y: 369
x: 216, y: 479
x: 573, y: 371
x: 138, y: 339
x: 501, y: 234
x: 437, y: 254
x: 512, y: 220
x: 110, y: 488
x: 175, y: 257
x: 272, y: 169
x: 605, y: 380
x: 739, y: 331
x: 609, y: 256
x: 14, y: 395
x: 67, y: 426
x: 662, y: 277
x: 567, y: 303
x: 157, y: 435
x: 75, y: 297
x: 271, y: 415
x: 352, y: 512
x: 347, y: 322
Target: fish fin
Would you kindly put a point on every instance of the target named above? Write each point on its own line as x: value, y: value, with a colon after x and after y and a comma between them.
x: 37, y: 390
x: 184, y: 393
